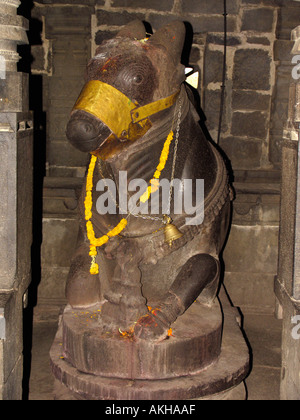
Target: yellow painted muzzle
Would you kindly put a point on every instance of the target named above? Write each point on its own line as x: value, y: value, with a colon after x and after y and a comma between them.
x: 125, y: 118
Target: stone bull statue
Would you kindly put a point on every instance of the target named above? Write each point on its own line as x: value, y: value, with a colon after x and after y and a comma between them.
x: 135, y: 116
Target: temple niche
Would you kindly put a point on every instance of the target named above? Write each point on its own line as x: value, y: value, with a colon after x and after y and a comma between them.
x: 45, y: 48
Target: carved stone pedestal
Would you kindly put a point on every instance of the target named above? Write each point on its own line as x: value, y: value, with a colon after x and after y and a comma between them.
x: 205, y: 357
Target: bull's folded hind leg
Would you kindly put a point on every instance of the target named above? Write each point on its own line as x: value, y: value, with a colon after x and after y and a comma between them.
x: 83, y: 288
x: 199, y: 274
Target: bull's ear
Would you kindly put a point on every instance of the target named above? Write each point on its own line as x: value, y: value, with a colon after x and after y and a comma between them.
x: 172, y: 37
x: 134, y: 30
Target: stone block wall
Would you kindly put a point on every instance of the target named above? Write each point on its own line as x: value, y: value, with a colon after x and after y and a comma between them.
x: 257, y: 32
x: 255, y: 110
x: 258, y: 44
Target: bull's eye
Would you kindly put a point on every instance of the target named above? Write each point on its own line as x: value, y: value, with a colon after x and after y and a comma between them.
x: 137, y: 79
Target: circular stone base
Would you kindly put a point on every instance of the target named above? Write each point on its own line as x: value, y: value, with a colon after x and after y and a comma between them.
x: 195, y: 343
x: 237, y: 393
x: 224, y: 374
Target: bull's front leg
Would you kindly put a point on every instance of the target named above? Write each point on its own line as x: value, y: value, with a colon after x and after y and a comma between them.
x: 124, y: 301
x: 83, y: 288
x: 199, y: 273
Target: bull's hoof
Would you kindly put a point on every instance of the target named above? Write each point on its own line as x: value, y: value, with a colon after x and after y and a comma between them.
x: 149, y: 327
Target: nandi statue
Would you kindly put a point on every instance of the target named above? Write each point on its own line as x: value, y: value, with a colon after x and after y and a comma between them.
x: 155, y: 212
x: 133, y: 99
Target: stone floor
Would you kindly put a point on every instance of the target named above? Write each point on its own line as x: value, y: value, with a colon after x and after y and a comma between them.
x: 263, y: 332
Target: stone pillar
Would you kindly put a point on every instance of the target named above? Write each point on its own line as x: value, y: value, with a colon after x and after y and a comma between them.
x: 16, y: 203
x: 287, y: 284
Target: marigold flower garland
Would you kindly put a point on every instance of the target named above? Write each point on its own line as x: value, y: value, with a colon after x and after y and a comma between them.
x: 162, y: 163
x: 88, y: 204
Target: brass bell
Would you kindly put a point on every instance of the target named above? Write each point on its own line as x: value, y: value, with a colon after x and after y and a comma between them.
x: 171, y: 233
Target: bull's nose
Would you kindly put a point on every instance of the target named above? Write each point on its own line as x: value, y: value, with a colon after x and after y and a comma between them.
x: 81, y: 130
x: 85, y: 132
x: 83, y: 135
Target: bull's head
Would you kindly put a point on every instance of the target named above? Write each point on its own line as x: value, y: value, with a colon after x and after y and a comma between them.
x: 130, y: 82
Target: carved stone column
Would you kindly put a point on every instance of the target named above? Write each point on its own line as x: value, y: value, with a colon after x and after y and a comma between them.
x: 15, y: 203
x: 287, y: 284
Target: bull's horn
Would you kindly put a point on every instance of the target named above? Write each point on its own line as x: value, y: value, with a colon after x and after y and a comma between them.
x: 172, y: 37
x: 134, y: 30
